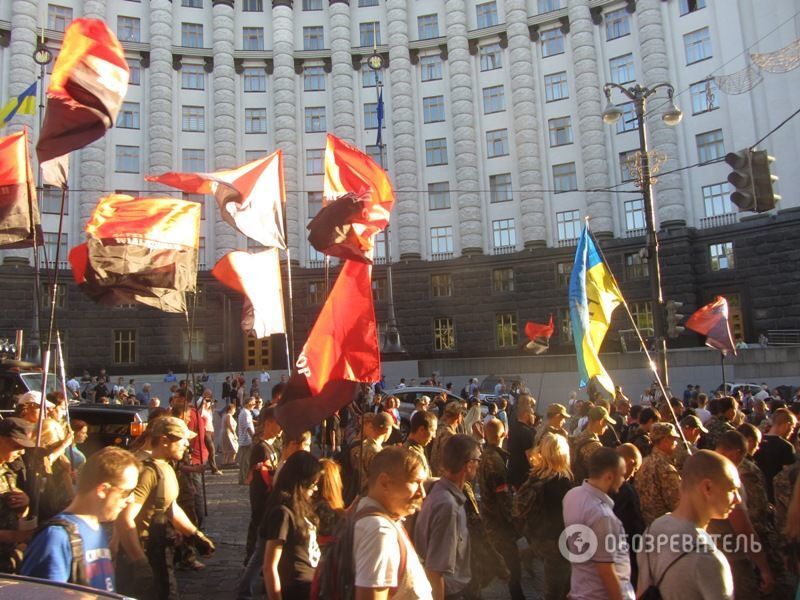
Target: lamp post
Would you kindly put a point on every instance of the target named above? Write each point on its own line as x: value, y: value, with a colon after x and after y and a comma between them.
x: 644, y: 172
x: 391, y: 341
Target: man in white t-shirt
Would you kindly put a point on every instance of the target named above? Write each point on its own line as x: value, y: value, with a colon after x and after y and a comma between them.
x: 396, y: 477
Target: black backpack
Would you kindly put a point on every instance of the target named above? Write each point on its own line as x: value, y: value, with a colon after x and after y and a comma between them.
x: 652, y: 592
x: 77, y: 571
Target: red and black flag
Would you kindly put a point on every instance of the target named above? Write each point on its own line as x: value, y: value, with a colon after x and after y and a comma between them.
x: 87, y: 87
x: 139, y: 250
x: 19, y: 211
x: 250, y: 197
x: 341, y: 351
x: 539, y: 336
x: 712, y: 321
x: 332, y: 230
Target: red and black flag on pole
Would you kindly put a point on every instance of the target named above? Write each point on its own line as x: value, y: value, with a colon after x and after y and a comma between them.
x: 341, y: 351
x: 87, y: 87
x: 19, y: 211
x: 139, y: 250
x: 711, y: 321
x: 539, y: 336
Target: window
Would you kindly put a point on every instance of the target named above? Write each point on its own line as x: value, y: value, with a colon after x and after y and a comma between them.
x: 556, y: 87
x: 253, y: 38
x: 255, y: 120
x: 634, y: 214
x: 201, y: 253
x: 251, y: 155
x: 442, y: 240
x: 313, y: 38
x: 193, y: 77
x: 504, y: 234
x: 506, y: 330
x: 435, y: 152
x: 47, y: 259
x: 560, y: 131
x: 365, y: 3
x: 735, y: 316
x: 441, y: 285
x: 565, y: 178
x: 252, y: 5
x: 58, y: 17
x: 255, y: 79
x: 428, y: 26
x: 50, y: 199
x: 642, y: 313
x: 371, y: 115
x: 312, y: 4
x: 124, y: 346
x: 379, y: 289
x: 314, y: 200
x: 193, y: 118
x: 314, y: 160
x: 439, y: 195
x: 192, y: 35
x: 705, y: 96
x: 563, y: 272
x: 379, y: 245
x: 198, y: 344
x: 697, y: 45
x: 192, y: 3
x: 503, y: 280
x: 716, y: 200
x: 710, y: 146
x: 315, y: 119
x: 127, y: 159
x: 690, y: 6
x: 129, y: 29
x: 622, y: 69
x: 370, y: 34
x: 635, y: 266
x: 316, y: 293
x: 500, y: 187
x: 433, y: 109
x: 369, y: 77
x: 568, y: 225
x: 494, y: 99
x: 618, y: 24
x: 546, y: 6
x: 552, y: 42
x: 193, y: 160
x: 135, y: 66
x: 61, y: 297
x: 486, y: 14
x: 624, y: 159
x: 444, y: 336
x: 128, y: 117
x: 376, y: 154
x: 430, y: 67
x: 628, y: 120
x: 314, y: 79
x: 721, y: 256
x: 199, y: 199
x: 491, y: 57
x: 497, y: 143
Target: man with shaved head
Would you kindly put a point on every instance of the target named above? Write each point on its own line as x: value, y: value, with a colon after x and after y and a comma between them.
x: 709, y: 490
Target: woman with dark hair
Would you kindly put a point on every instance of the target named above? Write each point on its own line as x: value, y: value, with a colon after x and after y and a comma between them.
x: 289, y: 529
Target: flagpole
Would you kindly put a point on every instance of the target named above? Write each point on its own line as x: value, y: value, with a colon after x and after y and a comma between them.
x: 63, y: 371
x: 290, y: 328
x: 722, y: 364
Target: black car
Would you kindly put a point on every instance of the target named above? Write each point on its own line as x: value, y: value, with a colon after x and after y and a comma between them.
x: 110, y: 424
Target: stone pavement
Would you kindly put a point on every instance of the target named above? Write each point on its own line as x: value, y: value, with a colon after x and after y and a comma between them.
x: 226, y: 524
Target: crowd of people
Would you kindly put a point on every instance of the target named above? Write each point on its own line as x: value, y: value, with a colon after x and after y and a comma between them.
x: 695, y: 496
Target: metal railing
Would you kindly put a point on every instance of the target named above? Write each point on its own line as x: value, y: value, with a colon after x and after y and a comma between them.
x: 569, y: 242
x: 783, y: 337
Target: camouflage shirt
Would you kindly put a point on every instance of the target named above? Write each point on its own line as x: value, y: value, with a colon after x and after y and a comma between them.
x: 583, y: 446
x: 360, y: 458
x: 641, y: 439
x: 716, y: 427
x: 419, y: 450
x: 755, y: 487
x: 9, y: 518
x: 443, y: 433
x: 496, y: 499
x: 783, y: 484
x: 658, y: 483
x: 681, y: 454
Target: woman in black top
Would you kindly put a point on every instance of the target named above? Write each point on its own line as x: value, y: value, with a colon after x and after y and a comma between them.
x: 290, y: 530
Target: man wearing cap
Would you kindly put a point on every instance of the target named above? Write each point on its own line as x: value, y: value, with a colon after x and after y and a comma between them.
x: 588, y: 441
x: 28, y: 406
x: 556, y: 416
x: 691, y: 427
x: 146, y: 528
x: 377, y: 428
x: 15, y: 436
x: 448, y: 426
x: 658, y: 481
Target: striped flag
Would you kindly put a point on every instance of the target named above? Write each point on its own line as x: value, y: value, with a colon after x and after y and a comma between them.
x: 24, y: 104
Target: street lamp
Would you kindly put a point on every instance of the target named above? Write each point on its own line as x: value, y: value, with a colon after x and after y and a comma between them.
x: 644, y: 171
x: 391, y: 341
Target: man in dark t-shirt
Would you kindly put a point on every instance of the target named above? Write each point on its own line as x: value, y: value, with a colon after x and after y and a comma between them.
x: 776, y: 451
x: 521, y: 438
x: 263, y: 464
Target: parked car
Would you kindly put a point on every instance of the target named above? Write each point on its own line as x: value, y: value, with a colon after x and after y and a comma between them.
x: 408, y: 397
x: 487, y: 386
x: 735, y: 387
x: 18, y: 377
x: 14, y: 587
x: 110, y: 424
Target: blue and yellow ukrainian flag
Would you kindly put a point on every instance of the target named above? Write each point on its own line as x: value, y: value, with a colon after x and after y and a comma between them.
x: 593, y: 296
x: 24, y: 104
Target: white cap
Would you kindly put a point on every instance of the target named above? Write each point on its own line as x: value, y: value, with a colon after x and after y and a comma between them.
x: 33, y: 397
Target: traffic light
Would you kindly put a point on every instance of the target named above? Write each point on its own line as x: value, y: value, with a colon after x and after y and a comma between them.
x: 752, y: 180
x: 766, y: 198
x: 673, y: 318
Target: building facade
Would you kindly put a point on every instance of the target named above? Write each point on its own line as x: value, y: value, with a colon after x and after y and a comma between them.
x: 493, y: 137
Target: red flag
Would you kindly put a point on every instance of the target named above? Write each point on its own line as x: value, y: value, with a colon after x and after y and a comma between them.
x: 139, y: 250
x: 333, y: 232
x: 712, y: 321
x: 250, y: 197
x: 87, y: 87
x: 539, y: 335
x: 341, y: 350
x: 19, y: 211
x: 258, y: 278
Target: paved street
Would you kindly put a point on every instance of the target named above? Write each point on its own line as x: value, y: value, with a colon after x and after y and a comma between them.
x: 226, y: 524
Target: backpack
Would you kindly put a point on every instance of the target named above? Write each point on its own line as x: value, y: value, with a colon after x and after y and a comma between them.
x: 335, y: 576
x: 528, y: 503
x: 77, y: 570
x: 652, y: 592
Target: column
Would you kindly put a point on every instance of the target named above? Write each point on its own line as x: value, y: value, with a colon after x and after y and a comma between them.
x: 464, y: 135
x: 160, y: 131
x: 224, y: 113
x: 669, y: 199
x: 407, y: 203
x: 591, y: 129
x: 344, y: 121
x: 526, y: 128
x: 285, y: 99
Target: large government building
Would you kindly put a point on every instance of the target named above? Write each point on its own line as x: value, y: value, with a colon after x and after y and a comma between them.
x: 493, y: 136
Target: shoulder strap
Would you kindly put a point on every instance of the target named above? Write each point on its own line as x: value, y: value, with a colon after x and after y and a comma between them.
x: 160, y: 499
x: 401, y: 537
x: 669, y: 566
x: 77, y: 572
